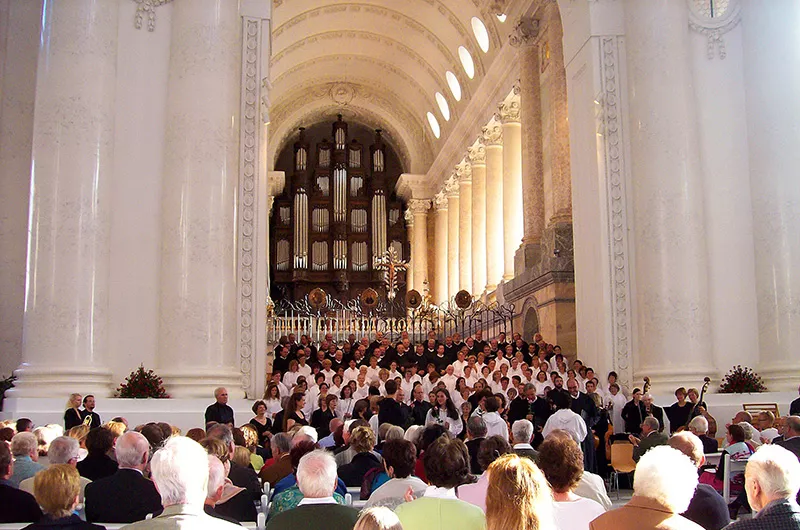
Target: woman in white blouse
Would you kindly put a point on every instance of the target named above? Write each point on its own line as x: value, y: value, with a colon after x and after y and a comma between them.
x: 272, y: 398
x: 345, y: 407
x: 445, y: 413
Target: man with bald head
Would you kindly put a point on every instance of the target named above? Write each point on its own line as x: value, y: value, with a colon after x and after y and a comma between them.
x: 126, y: 496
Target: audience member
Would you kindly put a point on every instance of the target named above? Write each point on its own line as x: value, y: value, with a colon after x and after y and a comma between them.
x: 24, y: 425
x: 564, y: 419
x: 561, y: 461
x: 63, y: 450
x: 392, y: 409
x: 791, y: 440
x: 25, y: 449
x: 16, y: 506
x: 97, y: 463
x: 241, y: 476
x: 650, y: 437
x: 766, y: 424
x: 476, y: 433
x: 378, y: 518
x: 362, y: 440
x: 235, y: 502
x: 518, y: 496
x: 399, y: 457
x: 287, y: 494
x: 316, y: 479
x: 522, y: 434
x: 58, y: 493
x: 491, y: 449
x: 699, y: 427
x: 220, y: 411
x: 217, y: 476
x: 345, y: 456
x: 707, y: 507
x: 663, y: 487
x: 495, y: 424
x: 446, y: 466
x: 180, y: 472
x: 281, y: 466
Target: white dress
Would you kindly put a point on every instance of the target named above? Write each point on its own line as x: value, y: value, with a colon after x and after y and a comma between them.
x: 273, y: 407
x: 454, y: 426
x: 345, y: 406
x: 577, y: 514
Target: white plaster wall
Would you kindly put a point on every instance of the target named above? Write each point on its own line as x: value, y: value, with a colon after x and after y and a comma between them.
x: 19, y: 48
x: 142, y: 70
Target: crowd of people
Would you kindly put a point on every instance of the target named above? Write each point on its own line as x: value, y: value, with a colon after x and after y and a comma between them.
x: 460, y: 434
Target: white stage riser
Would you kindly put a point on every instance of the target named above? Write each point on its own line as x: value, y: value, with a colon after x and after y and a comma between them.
x: 188, y: 413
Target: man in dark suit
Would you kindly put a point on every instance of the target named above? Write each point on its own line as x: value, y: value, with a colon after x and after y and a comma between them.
x: 216, y: 485
x: 391, y: 408
x: 699, y: 427
x: 88, y: 410
x: 476, y: 433
x: 794, y: 408
x: 653, y: 410
x: 522, y: 434
x: 650, y: 438
x: 316, y: 479
x: 420, y: 406
x: 528, y: 406
x: 244, y: 477
x: 126, y: 496
x: 791, y: 440
x: 16, y: 506
x: 219, y: 411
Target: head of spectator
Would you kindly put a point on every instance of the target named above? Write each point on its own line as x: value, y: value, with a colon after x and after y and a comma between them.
x: 154, y: 435
x: 772, y: 474
x: 306, y: 432
x: 698, y: 426
x: 741, y: 416
x: 224, y: 434
x: 196, y: 434
x: 117, y: 428
x: 6, y: 461
x: 6, y: 434
x: 180, y: 472
x: 791, y: 426
x: 429, y: 435
x: 491, y: 449
x: 57, y: 489
x: 378, y: 518
x: 79, y: 432
x: 217, y: 448
x: 216, y: 480
x: 750, y: 433
x: 446, y: 462
x: 241, y: 456
x: 122, y: 420
x: 280, y: 444
x: 316, y: 474
x: 299, y: 450
x: 516, y: 481
x: 362, y: 439
x: 394, y: 433
x: 99, y: 441
x: 735, y: 433
x: 560, y: 400
x: 690, y: 445
x: 399, y: 458
x: 24, y: 425
x: 650, y: 424
x: 561, y: 461
x: 522, y: 432
x: 666, y: 476
x: 25, y: 444
x: 133, y: 451
x: 64, y: 450
x: 476, y: 428
x: 765, y: 420
x: 413, y: 434
x: 221, y: 395
x: 44, y: 435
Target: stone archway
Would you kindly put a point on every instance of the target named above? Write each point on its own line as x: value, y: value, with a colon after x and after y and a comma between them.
x: 530, y: 322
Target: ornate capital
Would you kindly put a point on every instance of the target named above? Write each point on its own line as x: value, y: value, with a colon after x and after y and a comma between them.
x: 525, y: 32
x: 451, y: 186
x: 440, y: 202
x: 464, y: 172
x: 477, y: 154
x: 508, y: 111
x: 409, y: 217
x: 419, y: 206
x: 492, y: 134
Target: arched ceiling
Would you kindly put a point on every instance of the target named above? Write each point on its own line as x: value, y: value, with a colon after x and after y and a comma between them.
x: 377, y: 62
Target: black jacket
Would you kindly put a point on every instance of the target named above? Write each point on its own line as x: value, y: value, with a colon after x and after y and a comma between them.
x: 73, y: 522
x: 219, y: 413
x: 391, y: 411
x: 246, y: 478
x: 520, y: 408
x: 420, y: 411
x: 124, y: 497
x: 353, y: 473
x: 95, y: 467
x: 17, y: 506
x: 633, y: 417
x: 473, y: 446
x: 240, y: 507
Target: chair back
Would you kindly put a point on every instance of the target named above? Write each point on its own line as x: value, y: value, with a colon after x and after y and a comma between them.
x: 622, y: 457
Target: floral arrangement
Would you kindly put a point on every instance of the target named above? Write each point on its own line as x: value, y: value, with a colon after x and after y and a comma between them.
x: 740, y: 380
x: 142, y: 384
x: 5, y: 384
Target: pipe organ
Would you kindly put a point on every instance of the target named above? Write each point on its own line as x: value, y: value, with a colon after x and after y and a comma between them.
x: 337, y: 214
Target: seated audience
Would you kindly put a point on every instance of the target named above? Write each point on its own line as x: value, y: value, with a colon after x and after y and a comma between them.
x: 63, y: 450
x: 235, y: 502
x: 180, y: 472
x: 216, y: 489
x: 25, y: 449
x: 281, y: 466
x: 699, y: 427
x: 561, y: 461
x: 58, y: 493
x: 16, y: 506
x: 707, y: 507
x: 491, y: 449
x: 126, y: 496
x: 316, y: 480
x: 663, y: 487
x: 362, y: 440
x: 590, y: 486
x: 446, y: 466
x: 196, y: 434
x: 399, y: 457
x: 650, y: 437
x: 345, y: 455
x: 738, y: 450
x: 476, y: 433
x: 772, y: 480
x: 243, y: 477
x: 751, y: 436
x: 329, y: 442
x: 430, y: 434
x: 791, y: 438
x: 255, y: 456
x: 97, y: 463
x: 522, y: 434
x: 518, y: 496
x: 766, y: 424
x: 378, y: 518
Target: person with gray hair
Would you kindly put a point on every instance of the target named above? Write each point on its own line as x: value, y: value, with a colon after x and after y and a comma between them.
x: 650, y: 438
x: 772, y: 480
x: 791, y: 437
x: 180, y: 472
x: 699, y: 427
x: 216, y: 488
x: 243, y: 477
x: 25, y: 448
x: 476, y: 433
x: 126, y: 496
x: 220, y: 411
x: 521, y: 435
x: 317, y: 480
x: 63, y: 450
x: 281, y: 466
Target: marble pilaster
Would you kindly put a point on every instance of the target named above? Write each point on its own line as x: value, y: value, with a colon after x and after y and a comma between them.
x: 464, y: 175
x: 492, y: 138
x: 409, y: 217
x: 419, y: 209
x: 199, y: 197
x: 477, y: 160
x: 441, y: 244
x: 512, y: 180
x: 65, y: 330
x: 453, y: 236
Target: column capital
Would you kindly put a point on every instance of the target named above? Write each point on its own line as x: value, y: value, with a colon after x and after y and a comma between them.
x: 440, y: 202
x: 492, y: 133
x: 464, y: 171
x: 451, y: 186
x: 477, y: 154
x: 525, y: 32
x: 508, y: 110
x: 409, y: 217
x: 419, y: 206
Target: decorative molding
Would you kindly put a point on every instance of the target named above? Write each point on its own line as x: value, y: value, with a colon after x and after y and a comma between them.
x: 148, y: 7
x: 409, y: 217
x: 440, y: 201
x: 714, y: 28
x: 492, y: 133
x: 610, y: 124
x: 477, y: 154
x: 419, y: 206
x: 464, y: 172
x: 451, y: 186
x: 508, y: 111
x: 525, y: 32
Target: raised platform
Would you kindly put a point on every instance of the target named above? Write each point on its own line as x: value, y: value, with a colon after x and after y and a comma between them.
x: 188, y: 413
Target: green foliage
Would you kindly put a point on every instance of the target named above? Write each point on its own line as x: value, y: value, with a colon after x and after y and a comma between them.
x: 740, y: 380
x: 142, y: 384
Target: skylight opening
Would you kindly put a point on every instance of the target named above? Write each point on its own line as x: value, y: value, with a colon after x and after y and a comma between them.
x: 466, y: 62
x: 481, y: 35
x: 501, y: 17
x: 443, y: 106
x: 434, y: 125
x: 453, y: 84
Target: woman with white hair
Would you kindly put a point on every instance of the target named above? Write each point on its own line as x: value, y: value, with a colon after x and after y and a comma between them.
x: 72, y: 413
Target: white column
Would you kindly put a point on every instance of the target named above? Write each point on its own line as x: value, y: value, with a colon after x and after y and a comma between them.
x: 453, y: 236
x: 512, y: 181
x: 464, y: 173
x: 441, y: 244
x: 198, y: 319
x: 65, y: 324
x: 671, y: 262
x: 492, y: 137
x: 477, y: 159
x: 771, y: 52
x: 409, y: 216
x: 419, y: 209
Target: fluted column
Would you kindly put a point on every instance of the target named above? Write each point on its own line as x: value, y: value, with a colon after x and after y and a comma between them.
x: 66, y: 321
x: 671, y: 260
x: 772, y: 54
x: 440, y: 281
x: 524, y: 38
x: 477, y: 159
x: 419, y: 209
x: 409, y: 217
x: 492, y: 138
x: 198, y: 320
x: 512, y: 180
x: 453, y: 236
x: 464, y: 174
